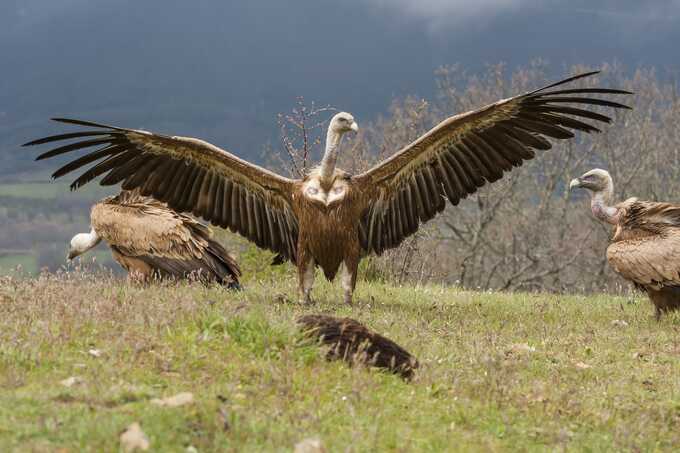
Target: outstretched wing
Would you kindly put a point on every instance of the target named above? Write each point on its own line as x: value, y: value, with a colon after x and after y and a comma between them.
x: 464, y: 152
x: 190, y: 175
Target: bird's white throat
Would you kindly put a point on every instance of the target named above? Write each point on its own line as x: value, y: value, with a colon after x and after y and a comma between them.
x: 599, y: 204
x: 83, y: 242
x: 314, y: 190
x: 330, y: 157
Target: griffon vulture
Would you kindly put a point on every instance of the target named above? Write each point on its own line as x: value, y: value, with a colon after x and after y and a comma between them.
x: 331, y: 217
x: 645, y: 246
x: 150, y: 240
x: 353, y: 342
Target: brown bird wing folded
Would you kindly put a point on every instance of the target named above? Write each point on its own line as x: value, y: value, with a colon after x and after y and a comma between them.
x: 190, y: 175
x: 646, y: 250
x: 648, y: 261
x: 464, y: 152
x: 170, y: 242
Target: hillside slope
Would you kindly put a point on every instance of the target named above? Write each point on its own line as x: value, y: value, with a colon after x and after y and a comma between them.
x: 498, y: 372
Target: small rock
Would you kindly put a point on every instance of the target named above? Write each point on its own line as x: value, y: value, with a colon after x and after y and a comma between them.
x: 71, y: 381
x: 95, y: 352
x: 133, y: 438
x: 522, y: 347
x: 311, y: 445
x: 174, y: 401
x: 582, y: 366
x: 619, y: 323
x: 564, y: 435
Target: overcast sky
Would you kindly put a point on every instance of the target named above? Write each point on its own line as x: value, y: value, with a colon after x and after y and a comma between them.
x: 223, y: 69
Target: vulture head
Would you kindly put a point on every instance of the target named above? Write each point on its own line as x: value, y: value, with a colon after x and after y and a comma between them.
x: 343, y: 122
x: 340, y: 124
x: 81, y: 243
x: 601, y: 187
x: 596, y: 180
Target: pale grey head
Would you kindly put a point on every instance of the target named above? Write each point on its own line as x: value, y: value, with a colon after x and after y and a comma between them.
x: 81, y: 243
x: 340, y: 124
x: 601, y: 188
x: 343, y: 122
x: 595, y: 180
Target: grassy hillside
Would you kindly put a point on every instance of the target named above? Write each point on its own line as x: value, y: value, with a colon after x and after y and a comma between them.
x: 38, y: 219
x: 499, y: 371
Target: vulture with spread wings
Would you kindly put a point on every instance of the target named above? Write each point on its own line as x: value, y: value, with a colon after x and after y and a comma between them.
x: 330, y: 217
x: 645, y: 245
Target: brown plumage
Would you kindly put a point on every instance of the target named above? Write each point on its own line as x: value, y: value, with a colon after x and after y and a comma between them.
x: 645, y: 244
x: 353, y: 342
x: 150, y: 240
x: 329, y: 217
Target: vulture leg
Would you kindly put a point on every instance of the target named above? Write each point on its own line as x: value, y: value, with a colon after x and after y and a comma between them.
x: 138, y: 271
x: 665, y: 299
x: 306, y: 270
x: 349, y: 279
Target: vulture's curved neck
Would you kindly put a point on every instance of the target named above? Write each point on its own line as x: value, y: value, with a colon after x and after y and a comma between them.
x: 90, y: 240
x: 327, y: 167
x: 600, y: 205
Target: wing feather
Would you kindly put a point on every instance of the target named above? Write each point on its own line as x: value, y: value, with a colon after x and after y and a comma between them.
x: 467, y: 151
x: 652, y: 261
x: 189, y: 175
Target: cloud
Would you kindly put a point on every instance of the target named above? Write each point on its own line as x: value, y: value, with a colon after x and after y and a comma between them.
x: 444, y: 13
x: 440, y: 12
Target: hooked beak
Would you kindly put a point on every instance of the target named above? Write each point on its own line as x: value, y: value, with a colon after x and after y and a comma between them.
x: 355, y: 127
x: 576, y: 182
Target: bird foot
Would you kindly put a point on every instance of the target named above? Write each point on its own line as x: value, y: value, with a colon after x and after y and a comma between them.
x: 307, y: 301
x: 283, y: 299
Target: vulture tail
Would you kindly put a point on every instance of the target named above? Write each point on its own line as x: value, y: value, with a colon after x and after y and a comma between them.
x: 212, y: 267
x: 224, y: 266
x: 216, y: 260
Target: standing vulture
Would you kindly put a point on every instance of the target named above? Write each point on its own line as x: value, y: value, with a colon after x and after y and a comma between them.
x: 331, y: 217
x: 645, y: 247
x: 150, y: 240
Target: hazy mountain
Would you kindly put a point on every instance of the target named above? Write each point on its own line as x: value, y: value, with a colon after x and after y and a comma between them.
x: 222, y: 70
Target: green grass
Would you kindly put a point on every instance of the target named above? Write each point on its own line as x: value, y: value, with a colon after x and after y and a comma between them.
x: 499, y: 372
x: 50, y: 190
x: 28, y: 263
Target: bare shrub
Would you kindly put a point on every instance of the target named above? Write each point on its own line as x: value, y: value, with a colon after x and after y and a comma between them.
x: 526, y: 232
x: 301, y: 133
